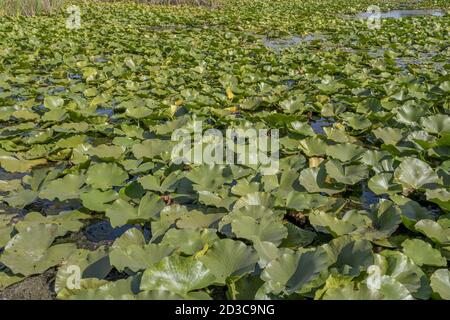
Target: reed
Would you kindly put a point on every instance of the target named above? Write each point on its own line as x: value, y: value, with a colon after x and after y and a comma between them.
x: 202, y: 3
x: 29, y: 7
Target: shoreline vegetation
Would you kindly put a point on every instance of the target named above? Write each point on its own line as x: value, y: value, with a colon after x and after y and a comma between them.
x: 38, y: 7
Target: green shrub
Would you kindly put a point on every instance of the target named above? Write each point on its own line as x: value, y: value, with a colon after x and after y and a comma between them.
x: 29, y: 7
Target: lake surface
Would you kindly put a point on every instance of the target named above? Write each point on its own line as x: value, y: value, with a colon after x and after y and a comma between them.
x: 398, y: 14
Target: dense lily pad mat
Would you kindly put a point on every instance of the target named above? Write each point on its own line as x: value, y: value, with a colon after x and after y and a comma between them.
x: 359, y: 208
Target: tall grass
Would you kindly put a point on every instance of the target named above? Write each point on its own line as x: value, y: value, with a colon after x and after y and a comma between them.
x: 203, y: 3
x: 29, y: 7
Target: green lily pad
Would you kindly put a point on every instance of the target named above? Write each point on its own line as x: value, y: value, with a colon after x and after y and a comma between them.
x: 314, y: 180
x: 189, y: 241
x: 130, y: 251
x: 423, y: 253
x: 344, y: 152
x: 64, y: 222
x: 89, y: 264
x: 414, y: 173
x: 383, y: 183
x: 350, y: 256
x: 229, y: 258
x: 437, y: 124
x: 97, y: 200
x: 178, y: 275
x: 350, y: 174
x: 434, y: 231
x: 105, y: 175
x: 31, y: 251
x: 440, y: 282
x: 65, y: 188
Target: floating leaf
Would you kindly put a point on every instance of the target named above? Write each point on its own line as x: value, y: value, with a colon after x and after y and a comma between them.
x: 130, y: 251
x: 31, y: 251
x: 423, y: 253
x: 105, y: 175
x: 440, y: 282
x: 229, y: 258
x: 178, y: 275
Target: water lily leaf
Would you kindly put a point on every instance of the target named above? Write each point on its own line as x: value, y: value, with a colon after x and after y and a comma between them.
x: 196, y: 219
x: 12, y: 164
x: 177, y: 274
x: 383, y: 183
x: 64, y: 222
x: 434, y: 231
x: 388, y: 135
x: 411, y: 211
x: 154, y: 183
x: 297, y: 237
x: 105, y: 175
x: 314, y: 180
x: 423, y: 253
x: 150, y: 206
x: 95, y: 289
x: 385, y: 287
x: 247, y: 287
x: 385, y: 219
x: 437, y: 124
x: 338, y: 287
x: 229, y: 258
x: 409, y: 114
x: 357, y: 122
x: 214, y: 200
x: 167, y: 295
x: 90, y: 264
x: 414, y: 173
x: 267, y: 252
x: 67, y: 187
x: 440, y: 282
x: 292, y: 105
x: 294, y: 272
x: 401, y: 268
x: 31, y: 251
x: 349, y: 174
x: 189, y: 241
x: 52, y: 102
x: 122, y: 212
x: 350, y: 222
x: 344, y: 152
x: 350, y: 256
x: 266, y: 229
x: 440, y: 197
x: 21, y: 198
x: 377, y: 223
x: 378, y: 161
x: 151, y: 148
x: 130, y: 251
x: 97, y: 200
x: 254, y: 211
x: 5, y: 228
x: 167, y: 217
x: 305, y: 201
x: 10, y: 185
x: 263, y: 199
x: 244, y: 187
x: 313, y: 146
x: 207, y: 177
x: 107, y: 152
